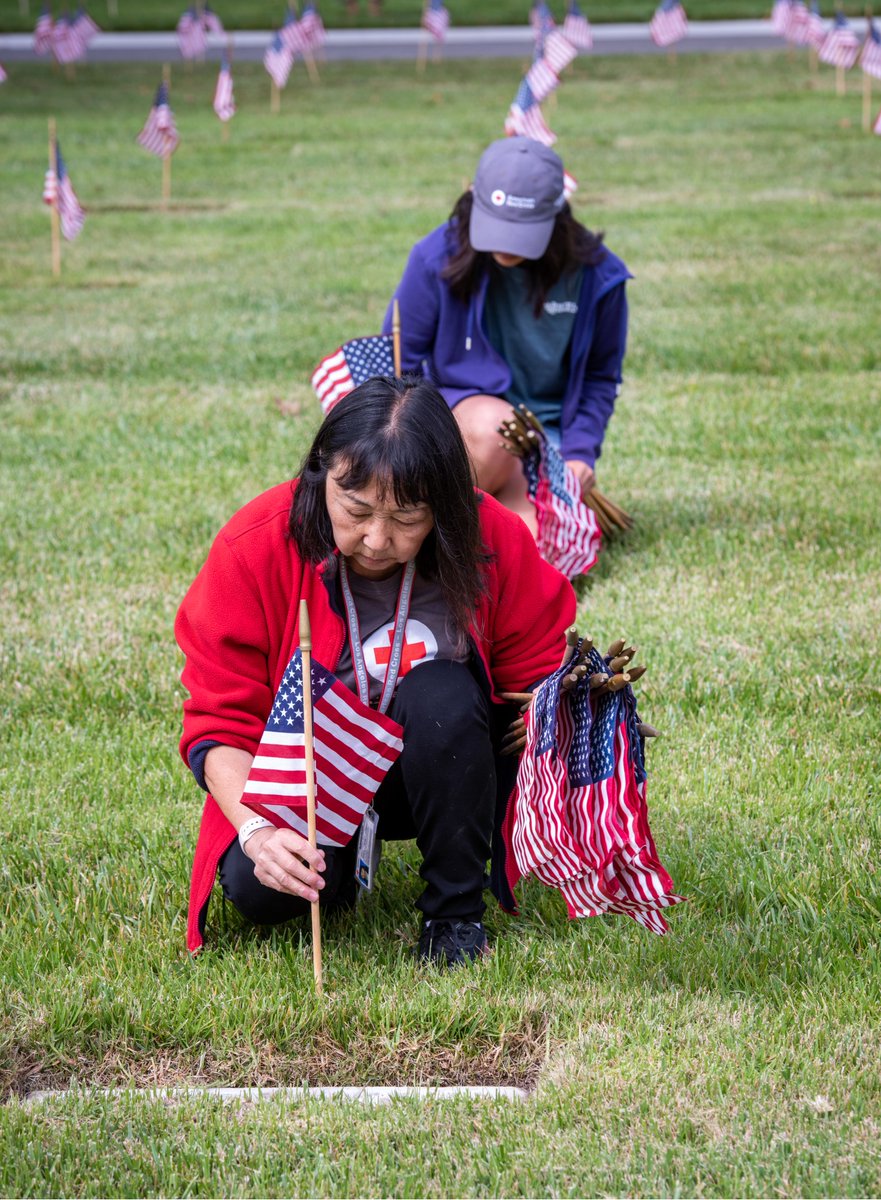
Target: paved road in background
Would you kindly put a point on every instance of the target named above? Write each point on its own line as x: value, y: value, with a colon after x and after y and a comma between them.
x: 499, y: 41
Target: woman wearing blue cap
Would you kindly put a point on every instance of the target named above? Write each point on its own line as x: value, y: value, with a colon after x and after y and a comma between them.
x: 512, y: 301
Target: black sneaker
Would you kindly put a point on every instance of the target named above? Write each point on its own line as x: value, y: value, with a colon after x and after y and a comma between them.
x: 451, y: 943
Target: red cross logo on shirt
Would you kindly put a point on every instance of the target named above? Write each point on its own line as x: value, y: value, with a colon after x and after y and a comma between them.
x: 411, y: 652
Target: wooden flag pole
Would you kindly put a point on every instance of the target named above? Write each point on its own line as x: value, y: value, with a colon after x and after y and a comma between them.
x: 396, y: 337
x: 867, y: 79
x: 53, y: 208
x: 311, y: 69
x: 166, y: 158
x: 840, y: 82
x: 422, y: 55
x: 309, y: 751
x: 275, y: 98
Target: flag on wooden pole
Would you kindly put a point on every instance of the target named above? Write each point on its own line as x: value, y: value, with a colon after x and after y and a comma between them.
x: 224, y: 101
x: 313, y: 27
x: 58, y: 193
x: 780, y: 16
x: 191, y: 34
x: 540, y: 77
x: 841, y: 45
x: 798, y: 19
x: 669, y: 23
x: 278, y: 61
x: 436, y: 19
x: 870, y: 56
x: 815, y: 29
x: 558, y: 51
x: 160, y: 135
x: 355, y: 362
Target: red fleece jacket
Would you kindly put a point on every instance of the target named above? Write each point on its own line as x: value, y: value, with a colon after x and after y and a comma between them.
x: 238, y: 627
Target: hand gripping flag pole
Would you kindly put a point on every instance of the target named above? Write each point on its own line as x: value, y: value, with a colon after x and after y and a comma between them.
x: 308, y: 749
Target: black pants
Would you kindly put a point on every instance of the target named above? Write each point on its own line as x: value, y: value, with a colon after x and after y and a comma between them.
x: 442, y: 791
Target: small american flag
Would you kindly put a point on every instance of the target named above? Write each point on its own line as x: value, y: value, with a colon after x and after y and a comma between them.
x: 540, y: 78
x: 841, y: 45
x: 669, y: 24
x: 870, y: 58
x: 815, y: 30
x: 294, y: 35
x: 578, y: 819
x: 191, y: 35
x: 576, y: 27
x: 568, y: 533
x: 354, y: 748
x: 212, y: 22
x: 70, y: 37
x: 436, y: 19
x: 558, y: 51
x: 797, y: 23
x: 570, y: 185
x: 278, y: 61
x: 354, y: 363
x: 313, y: 27
x: 43, y: 32
x: 58, y: 193
x: 224, y: 102
x: 524, y: 117
x: 159, y: 134
x: 87, y: 27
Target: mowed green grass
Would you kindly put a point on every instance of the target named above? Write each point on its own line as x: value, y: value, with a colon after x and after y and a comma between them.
x: 164, y: 382
x: 266, y: 14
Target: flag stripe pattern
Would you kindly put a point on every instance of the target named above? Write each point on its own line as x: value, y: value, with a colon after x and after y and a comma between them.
x: 568, y: 533
x: 58, y: 193
x: 578, y: 818
x: 294, y: 36
x: 313, y: 27
x: 354, y: 748
x: 841, y: 45
x: 191, y: 37
x: 525, y: 117
x: 43, y: 32
x: 436, y: 19
x: 576, y: 27
x: 278, y: 61
x: 870, y: 58
x: 354, y: 363
x: 159, y: 134
x: 541, y: 79
x: 224, y: 101
x: 815, y: 29
x: 558, y: 51
x: 669, y: 23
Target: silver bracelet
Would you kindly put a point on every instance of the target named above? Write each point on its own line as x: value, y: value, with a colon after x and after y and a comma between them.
x: 251, y: 826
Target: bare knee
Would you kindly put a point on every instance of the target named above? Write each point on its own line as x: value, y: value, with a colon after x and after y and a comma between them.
x: 479, y: 418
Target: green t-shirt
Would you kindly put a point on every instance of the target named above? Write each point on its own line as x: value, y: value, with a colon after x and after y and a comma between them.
x: 536, y: 349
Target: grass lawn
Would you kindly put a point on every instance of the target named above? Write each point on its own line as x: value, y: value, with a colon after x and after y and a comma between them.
x: 163, y: 383
x: 265, y: 14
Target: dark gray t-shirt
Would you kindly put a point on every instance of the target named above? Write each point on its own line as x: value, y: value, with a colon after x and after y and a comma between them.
x: 536, y: 349
x: 429, y: 633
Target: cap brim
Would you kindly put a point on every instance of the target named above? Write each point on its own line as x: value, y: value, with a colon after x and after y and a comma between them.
x: 489, y: 233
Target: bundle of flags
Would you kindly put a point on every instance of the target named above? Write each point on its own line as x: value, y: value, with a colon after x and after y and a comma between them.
x: 58, y: 193
x: 351, y: 365
x: 669, y: 23
x: 67, y: 38
x: 568, y: 530
x: 578, y: 818
x: 159, y: 134
x: 354, y: 748
x: 193, y: 28
x: 436, y: 19
x: 224, y: 102
x: 841, y: 46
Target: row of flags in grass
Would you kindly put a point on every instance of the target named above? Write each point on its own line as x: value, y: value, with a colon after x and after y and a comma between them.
x: 802, y: 24
x: 557, y: 46
x: 67, y: 37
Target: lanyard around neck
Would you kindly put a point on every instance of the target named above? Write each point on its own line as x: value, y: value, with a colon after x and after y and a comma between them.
x: 394, y: 663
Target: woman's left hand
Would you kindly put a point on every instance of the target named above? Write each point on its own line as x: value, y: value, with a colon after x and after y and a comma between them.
x: 585, y: 475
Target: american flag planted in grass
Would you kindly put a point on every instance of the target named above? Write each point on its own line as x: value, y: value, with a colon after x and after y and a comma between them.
x: 841, y: 45
x: 669, y: 24
x: 525, y: 117
x: 191, y: 37
x: 159, y: 134
x: 578, y: 819
x: 576, y: 27
x: 870, y: 57
x: 436, y: 19
x: 278, y: 61
x: 353, y: 364
x: 224, y: 101
x: 354, y: 748
x: 58, y: 193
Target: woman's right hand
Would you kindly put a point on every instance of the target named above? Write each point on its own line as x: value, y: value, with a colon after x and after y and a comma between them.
x: 285, y: 861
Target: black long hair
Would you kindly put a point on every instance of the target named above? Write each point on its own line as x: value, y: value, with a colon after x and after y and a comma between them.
x: 401, y: 434
x: 571, y: 246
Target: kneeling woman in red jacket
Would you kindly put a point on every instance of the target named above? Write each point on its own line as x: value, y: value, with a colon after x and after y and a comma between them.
x: 385, y: 495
